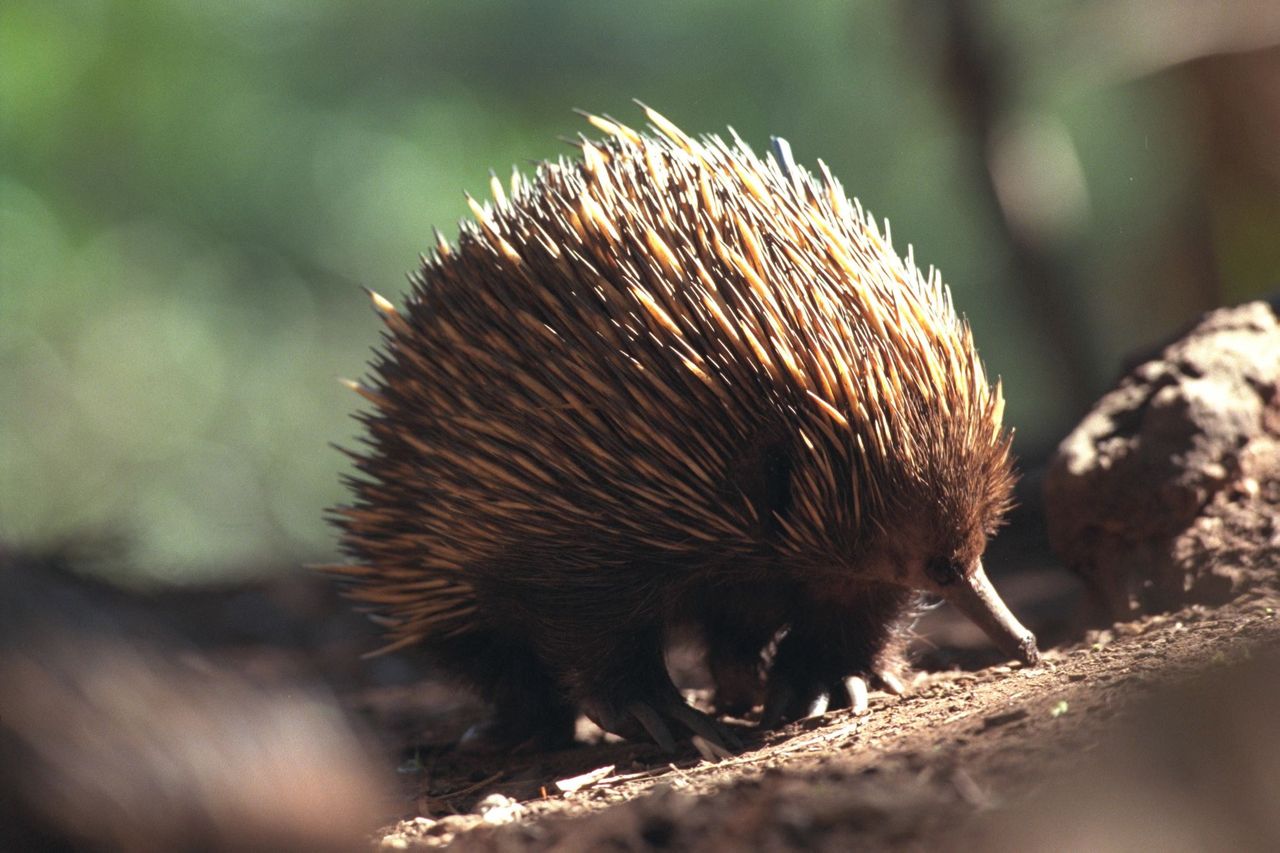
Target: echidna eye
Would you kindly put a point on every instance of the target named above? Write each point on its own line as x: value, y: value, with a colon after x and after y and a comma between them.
x: 943, y: 571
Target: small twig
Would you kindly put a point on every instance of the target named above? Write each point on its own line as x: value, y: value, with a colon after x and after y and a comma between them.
x: 683, y: 776
x: 444, y: 799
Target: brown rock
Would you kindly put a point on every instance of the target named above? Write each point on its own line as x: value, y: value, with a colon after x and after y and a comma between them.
x: 1169, y: 490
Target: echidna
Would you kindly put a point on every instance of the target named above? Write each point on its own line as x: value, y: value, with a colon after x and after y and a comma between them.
x: 671, y: 383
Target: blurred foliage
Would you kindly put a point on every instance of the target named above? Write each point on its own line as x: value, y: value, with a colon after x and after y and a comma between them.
x: 191, y: 193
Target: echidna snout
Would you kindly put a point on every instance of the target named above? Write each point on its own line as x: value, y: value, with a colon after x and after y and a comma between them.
x: 963, y: 583
x: 671, y: 384
x: 975, y: 597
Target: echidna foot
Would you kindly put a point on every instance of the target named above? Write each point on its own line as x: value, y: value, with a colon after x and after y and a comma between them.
x: 653, y: 723
x: 717, y: 742
x: 786, y: 702
x: 654, y: 718
x: 699, y: 724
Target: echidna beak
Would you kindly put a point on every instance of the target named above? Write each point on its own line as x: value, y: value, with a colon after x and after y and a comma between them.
x: 978, y: 599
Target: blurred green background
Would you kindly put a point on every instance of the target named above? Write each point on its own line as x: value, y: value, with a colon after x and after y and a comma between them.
x: 192, y: 193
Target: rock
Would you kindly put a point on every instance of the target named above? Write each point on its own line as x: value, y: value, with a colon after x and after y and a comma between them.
x: 497, y: 809
x: 1168, y: 491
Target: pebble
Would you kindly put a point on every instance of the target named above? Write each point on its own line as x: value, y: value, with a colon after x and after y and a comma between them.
x: 497, y: 809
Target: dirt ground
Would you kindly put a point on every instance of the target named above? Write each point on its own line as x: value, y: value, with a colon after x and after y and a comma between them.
x: 1157, y: 733
x: 947, y: 765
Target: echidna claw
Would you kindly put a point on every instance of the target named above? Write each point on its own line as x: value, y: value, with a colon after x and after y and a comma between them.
x: 706, y: 728
x: 859, y: 701
x: 652, y: 722
x: 890, y: 682
x: 708, y: 750
x: 819, y: 706
x: 712, y: 740
x: 786, y: 704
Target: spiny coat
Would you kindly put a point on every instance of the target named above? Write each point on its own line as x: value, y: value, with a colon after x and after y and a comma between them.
x: 670, y: 382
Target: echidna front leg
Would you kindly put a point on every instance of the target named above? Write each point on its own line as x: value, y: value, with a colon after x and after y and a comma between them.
x: 530, y: 710
x: 737, y: 625
x: 830, y: 651
x: 623, y: 686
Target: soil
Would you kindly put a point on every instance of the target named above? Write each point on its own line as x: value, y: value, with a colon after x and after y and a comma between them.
x: 1102, y: 746
x: 948, y: 762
